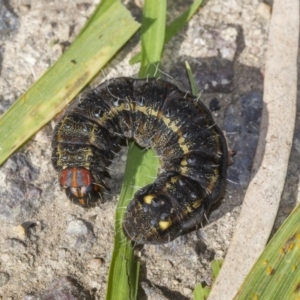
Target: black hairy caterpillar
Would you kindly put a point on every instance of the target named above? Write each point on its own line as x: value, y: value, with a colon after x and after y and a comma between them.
x: 154, y: 113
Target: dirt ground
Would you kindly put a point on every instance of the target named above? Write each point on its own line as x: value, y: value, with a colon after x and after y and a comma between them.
x: 44, y: 237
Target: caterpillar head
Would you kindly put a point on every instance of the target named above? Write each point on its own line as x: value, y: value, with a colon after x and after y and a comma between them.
x: 79, y: 186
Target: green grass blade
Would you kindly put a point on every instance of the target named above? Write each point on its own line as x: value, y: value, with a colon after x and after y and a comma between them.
x: 124, y: 268
x: 174, y: 27
x: 276, y: 274
x: 216, y: 267
x: 191, y: 79
x: 152, y: 36
x: 102, y: 8
x: 61, y: 83
x: 141, y: 166
x: 200, y: 292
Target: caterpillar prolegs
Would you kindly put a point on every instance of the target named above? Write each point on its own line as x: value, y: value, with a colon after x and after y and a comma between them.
x: 154, y: 113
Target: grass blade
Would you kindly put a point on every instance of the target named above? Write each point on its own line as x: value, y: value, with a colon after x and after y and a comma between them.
x: 191, y: 79
x: 216, y: 267
x: 102, y: 8
x: 124, y: 268
x: 200, y: 292
x: 152, y: 36
x: 141, y: 166
x: 276, y: 274
x: 91, y: 50
x: 174, y: 27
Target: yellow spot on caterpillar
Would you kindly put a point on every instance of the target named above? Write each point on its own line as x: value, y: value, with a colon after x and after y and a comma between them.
x: 182, y: 144
x: 148, y: 198
x: 196, y: 204
x: 294, y: 267
x: 183, y: 170
x: 189, y: 209
x: 265, y: 262
x: 93, y: 135
x: 167, y: 187
x: 183, y: 162
x: 163, y: 225
x: 255, y: 297
x: 174, y: 179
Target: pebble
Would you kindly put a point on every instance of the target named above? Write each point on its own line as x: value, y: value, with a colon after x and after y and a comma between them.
x: 20, y: 232
x: 187, y: 291
x: 79, y: 235
x: 4, y: 278
x: 264, y: 10
x: 24, y: 8
x: 96, y: 263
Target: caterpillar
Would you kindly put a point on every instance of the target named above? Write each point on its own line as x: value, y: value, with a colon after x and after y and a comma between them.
x: 154, y: 113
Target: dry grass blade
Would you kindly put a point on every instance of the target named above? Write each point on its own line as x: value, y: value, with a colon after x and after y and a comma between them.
x: 91, y: 50
x: 271, y: 160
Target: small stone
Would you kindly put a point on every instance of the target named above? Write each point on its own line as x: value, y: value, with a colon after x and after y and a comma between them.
x: 5, y: 258
x: 25, y: 8
x: 264, y: 10
x: 96, y: 263
x: 79, y: 235
x: 20, y: 232
x: 4, y: 278
x: 187, y: 291
x: 62, y: 253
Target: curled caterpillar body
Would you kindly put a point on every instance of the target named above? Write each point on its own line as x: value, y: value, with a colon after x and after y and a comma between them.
x: 154, y: 113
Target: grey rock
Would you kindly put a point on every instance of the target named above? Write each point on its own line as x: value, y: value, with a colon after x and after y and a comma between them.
x: 65, y: 288
x: 241, y: 124
x: 4, y: 278
x: 8, y: 21
x: 79, y: 235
